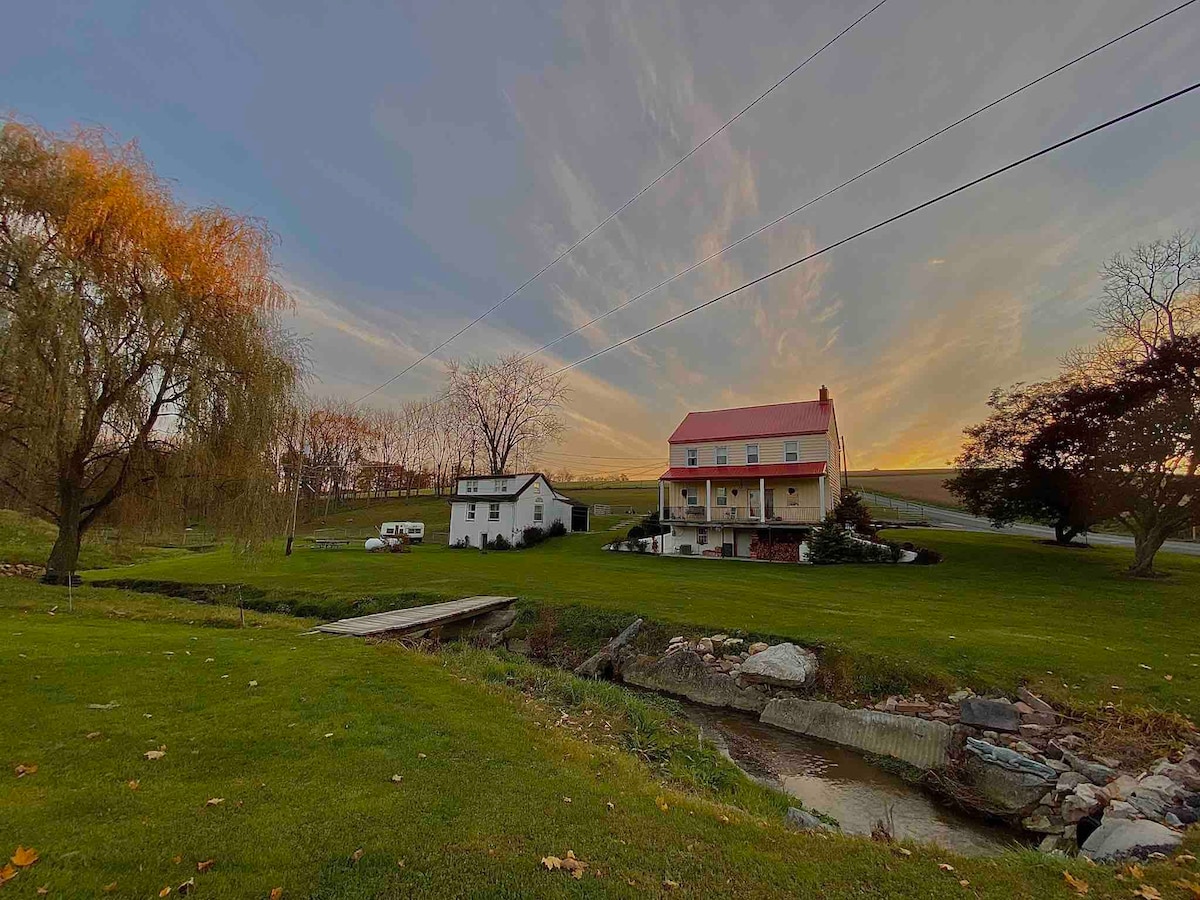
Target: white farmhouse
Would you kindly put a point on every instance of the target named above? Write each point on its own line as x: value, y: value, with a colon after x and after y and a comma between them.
x: 484, y: 506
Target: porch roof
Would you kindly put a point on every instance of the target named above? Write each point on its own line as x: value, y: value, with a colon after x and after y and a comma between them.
x: 777, y: 470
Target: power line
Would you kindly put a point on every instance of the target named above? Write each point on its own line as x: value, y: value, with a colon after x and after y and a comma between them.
x: 862, y: 174
x: 620, y: 208
x: 888, y: 221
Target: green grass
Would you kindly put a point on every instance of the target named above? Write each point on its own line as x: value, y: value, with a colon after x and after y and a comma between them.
x: 304, y: 762
x: 999, y: 611
x: 365, y: 520
x: 24, y: 539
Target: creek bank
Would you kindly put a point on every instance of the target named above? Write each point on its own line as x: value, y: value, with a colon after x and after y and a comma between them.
x: 1019, y: 761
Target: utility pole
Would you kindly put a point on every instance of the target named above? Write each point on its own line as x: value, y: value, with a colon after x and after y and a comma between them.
x: 291, y: 538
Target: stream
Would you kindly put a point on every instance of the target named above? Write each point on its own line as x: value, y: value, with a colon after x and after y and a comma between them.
x: 840, y: 783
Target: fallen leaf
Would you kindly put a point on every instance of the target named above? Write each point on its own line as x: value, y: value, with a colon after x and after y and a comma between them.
x: 421, y: 756
x: 43, y: 890
x: 1189, y: 886
x: 661, y: 803
x: 8, y: 873
x: 276, y: 893
x: 1080, y: 886
x: 134, y: 784
x: 566, y: 799
x: 902, y: 851
x: 177, y: 859
x: 165, y: 891
x: 946, y: 867
x: 1133, y: 870
x: 670, y: 885
x: 569, y: 864
x: 329, y: 735
x: 356, y: 855
x: 214, y: 801
x: 111, y: 704
x: 964, y: 883
x: 154, y: 754
x: 396, y: 779
x: 24, y: 769
x: 1146, y: 892
x: 253, y: 684
x: 400, y: 864
x: 610, y: 806
x: 1168, y: 678
x: 92, y: 735
x: 24, y: 856
x: 205, y: 865
x: 1184, y: 857
x: 187, y: 887
x: 109, y: 888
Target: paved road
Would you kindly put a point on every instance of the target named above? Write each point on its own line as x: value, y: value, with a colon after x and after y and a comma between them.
x: 953, y: 518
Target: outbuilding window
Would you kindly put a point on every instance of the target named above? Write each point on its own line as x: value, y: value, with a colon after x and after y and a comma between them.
x: 538, y: 509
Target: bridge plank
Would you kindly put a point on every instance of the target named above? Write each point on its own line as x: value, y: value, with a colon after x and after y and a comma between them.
x: 416, y: 618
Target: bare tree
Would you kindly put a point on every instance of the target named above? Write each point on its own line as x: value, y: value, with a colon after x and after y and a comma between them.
x: 511, y: 404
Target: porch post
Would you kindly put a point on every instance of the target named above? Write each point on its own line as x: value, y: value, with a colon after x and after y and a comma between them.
x: 762, y: 499
x: 662, y: 510
x: 707, y: 499
x: 821, y: 481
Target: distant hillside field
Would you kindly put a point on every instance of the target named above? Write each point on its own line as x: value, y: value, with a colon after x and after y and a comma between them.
x: 921, y: 485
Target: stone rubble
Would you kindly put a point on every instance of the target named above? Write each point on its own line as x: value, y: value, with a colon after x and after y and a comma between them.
x: 21, y: 570
x: 1024, y: 761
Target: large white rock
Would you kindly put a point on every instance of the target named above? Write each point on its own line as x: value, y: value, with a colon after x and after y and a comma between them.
x: 784, y: 665
x: 1122, y: 838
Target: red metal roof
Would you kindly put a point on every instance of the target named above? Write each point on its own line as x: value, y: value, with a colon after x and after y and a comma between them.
x: 777, y: 419
x: 777, y: 470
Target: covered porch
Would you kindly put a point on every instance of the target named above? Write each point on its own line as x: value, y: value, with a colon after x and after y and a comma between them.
x: 767, y: 496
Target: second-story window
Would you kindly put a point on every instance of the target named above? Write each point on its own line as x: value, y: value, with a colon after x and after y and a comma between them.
x: 722, y: 456
x: 693, y: 456
x: 791, y: 451
x: 751, y: 454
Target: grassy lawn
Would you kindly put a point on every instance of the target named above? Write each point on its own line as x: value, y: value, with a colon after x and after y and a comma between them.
x: 300, y: 736
x: 24, y: 539
x: 998, y: 611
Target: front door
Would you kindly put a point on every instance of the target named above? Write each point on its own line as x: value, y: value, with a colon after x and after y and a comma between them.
x: 754, y: 503
x: 769, y: 502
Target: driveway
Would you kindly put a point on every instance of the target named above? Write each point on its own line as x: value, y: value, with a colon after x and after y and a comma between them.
x: 953, y: 518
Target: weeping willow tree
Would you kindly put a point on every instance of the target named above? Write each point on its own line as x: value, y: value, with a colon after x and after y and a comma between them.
x: 142, y: 361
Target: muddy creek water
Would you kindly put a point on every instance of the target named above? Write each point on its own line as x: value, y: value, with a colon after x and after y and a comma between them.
x: 840, y: 783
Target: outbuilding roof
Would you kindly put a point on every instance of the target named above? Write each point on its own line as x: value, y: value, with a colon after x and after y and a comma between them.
x: 772, y: 420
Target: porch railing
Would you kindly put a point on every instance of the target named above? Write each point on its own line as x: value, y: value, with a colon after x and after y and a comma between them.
x: 786, y: 515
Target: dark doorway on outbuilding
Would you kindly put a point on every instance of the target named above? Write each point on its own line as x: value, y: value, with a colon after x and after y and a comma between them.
x: 579, y: 518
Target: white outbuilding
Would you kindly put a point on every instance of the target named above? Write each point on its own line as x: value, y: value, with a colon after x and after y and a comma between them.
x: 484, y: 506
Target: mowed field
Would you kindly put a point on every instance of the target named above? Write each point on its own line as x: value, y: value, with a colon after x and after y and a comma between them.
x: 999, y: 611
x: 333, y: 768
x: 921, y: 485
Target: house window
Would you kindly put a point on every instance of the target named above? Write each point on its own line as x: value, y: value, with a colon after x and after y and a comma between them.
x: 470, y: 512
x: 493, y: 512
x: 472, y: 487
x: 691, y: 497
x: 791, y: 451
x: 722, y: 496
x: 537, y: 509
x: 500, y: 485
x: 751, y: 453
x: 701, y: 535
x: 693, y: 456
x: 722, y: 456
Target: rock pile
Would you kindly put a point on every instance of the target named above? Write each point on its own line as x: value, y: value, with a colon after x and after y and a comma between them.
x: 21, y: 570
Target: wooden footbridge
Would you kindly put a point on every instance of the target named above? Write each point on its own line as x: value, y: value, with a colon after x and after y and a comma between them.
x: 417, y: 618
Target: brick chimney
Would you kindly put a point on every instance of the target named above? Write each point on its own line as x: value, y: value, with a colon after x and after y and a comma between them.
x: 824, y: 395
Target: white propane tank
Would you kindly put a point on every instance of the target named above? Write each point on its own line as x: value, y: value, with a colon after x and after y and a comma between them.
x: 374, y: 545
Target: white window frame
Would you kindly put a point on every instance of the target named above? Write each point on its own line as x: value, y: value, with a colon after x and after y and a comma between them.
x: 470, y: 512
x: 791, y: 451
x: 693, y: 457
x: 702, y: 536
x: 721, y: 456
x: 722, y: 496
x: 493, y: 512
x: 757, y: 456
x: 538, y: 510
x: 500, y: 485
x: 471, y: 487
x: 691, y: 497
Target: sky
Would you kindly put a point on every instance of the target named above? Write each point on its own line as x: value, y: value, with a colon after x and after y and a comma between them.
x: 419, y: 161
